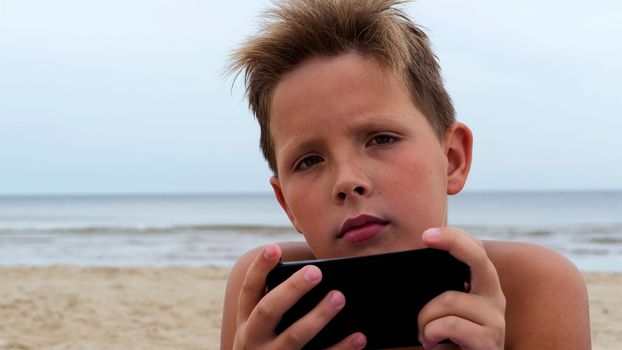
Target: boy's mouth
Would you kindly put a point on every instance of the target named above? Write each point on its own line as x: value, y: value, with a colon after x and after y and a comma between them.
x: 361, y: 228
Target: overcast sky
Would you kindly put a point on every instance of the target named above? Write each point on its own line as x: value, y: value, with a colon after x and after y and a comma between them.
x: 128, y: 96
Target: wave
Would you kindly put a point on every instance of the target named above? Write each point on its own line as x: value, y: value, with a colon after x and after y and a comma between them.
x: 138, y: 229
x: 589, y: 232
x: 588, y: 229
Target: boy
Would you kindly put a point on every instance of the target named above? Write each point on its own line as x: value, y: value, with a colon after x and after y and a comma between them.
x: 361, y: 136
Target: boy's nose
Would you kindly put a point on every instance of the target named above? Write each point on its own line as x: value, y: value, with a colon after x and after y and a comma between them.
x: 350, y: 184
x: 358, y: 190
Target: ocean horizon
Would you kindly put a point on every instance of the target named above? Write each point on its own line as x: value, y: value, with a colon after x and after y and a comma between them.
x: 215, y: 229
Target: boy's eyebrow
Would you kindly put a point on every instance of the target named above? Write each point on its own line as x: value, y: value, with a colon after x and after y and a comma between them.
x: 381, y: 122
x: 378, y: 120
x: 370, y: 122
x: 300, y: 143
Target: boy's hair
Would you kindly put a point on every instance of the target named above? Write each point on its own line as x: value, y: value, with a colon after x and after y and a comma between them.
x: 296, y: 30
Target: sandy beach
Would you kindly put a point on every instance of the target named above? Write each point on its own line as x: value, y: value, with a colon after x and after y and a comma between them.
x: 63, y: 307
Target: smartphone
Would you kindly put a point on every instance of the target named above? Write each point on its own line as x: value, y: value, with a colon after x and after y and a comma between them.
x: 384, y: 294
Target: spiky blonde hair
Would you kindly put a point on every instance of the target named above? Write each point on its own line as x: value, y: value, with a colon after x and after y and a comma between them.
x: 295, y: 30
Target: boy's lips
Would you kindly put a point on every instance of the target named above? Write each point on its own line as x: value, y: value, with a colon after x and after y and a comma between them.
x: 361, y: 228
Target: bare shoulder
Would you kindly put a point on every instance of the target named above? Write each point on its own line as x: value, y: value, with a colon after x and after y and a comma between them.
x: 531, y: 259
x: 547, y: 303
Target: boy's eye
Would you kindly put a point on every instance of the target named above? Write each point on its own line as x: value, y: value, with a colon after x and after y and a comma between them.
x: 382, y: 140
x: 307, y: 162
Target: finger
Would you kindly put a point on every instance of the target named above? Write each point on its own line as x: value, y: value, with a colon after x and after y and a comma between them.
x: 253, y: 287
x: 354, y: 341
x: 304, y: 329
x: 464, y: 247
x: 474, y: 308
x: 464, y: 333
x: 270, y: 309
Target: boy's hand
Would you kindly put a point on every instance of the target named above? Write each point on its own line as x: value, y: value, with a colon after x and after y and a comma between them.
x: 473, y: 320
x: 259, y: 313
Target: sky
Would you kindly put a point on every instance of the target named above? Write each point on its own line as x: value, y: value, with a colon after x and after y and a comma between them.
x: 117, y: 96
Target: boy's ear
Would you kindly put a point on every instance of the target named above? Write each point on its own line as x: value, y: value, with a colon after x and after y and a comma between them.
x: 459, y: 147
x: 278, y: 193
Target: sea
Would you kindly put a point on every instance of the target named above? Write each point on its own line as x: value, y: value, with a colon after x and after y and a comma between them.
x: 214, y: 230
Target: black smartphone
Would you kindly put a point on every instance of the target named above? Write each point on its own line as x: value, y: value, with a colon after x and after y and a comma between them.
x: 384, y: 294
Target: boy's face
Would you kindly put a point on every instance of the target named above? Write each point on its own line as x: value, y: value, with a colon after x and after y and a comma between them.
x: 361, y: 170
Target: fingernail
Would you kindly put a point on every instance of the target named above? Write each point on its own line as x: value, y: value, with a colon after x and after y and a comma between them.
x: 268, y: 252
x: 359, y: 341
x: 312, y: 274
x: 432, y: 234
x: 337, y: 299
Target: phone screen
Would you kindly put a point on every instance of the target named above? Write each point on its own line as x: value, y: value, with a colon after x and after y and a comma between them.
x: 384, y: 294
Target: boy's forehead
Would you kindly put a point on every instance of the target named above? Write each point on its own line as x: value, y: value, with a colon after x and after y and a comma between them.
x: 343, y: 62
x: 333, y: 72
